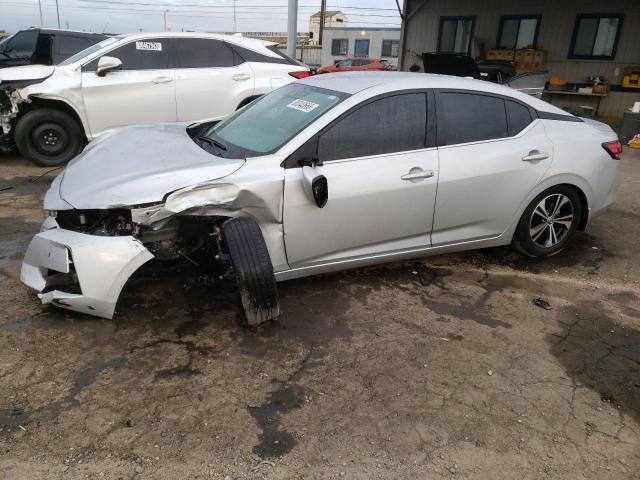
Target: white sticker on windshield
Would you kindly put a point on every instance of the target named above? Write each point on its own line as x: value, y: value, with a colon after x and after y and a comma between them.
x: 155, y: 46
x: 303, y: 105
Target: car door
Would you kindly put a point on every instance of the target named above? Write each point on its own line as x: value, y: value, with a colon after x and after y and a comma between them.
x: 382, y: 185
x: 492, y: 152
x: 143, y: 91
x: 210, y: 80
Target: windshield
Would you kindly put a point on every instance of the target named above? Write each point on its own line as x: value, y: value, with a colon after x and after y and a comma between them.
x: 266, y: 124
x: 88, y: 51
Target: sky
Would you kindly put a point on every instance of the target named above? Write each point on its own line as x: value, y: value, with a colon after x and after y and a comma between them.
x: 121, y: 16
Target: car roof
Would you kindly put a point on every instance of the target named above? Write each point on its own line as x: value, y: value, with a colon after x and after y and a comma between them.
x: 238, y: 40
x: 389, y: 81
x: 59, y: 31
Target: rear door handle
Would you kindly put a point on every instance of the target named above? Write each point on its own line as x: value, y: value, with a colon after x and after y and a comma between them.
x: 238, y: 77
x: 162, y: 80
x: 416, y: 173
x: 534, y: 156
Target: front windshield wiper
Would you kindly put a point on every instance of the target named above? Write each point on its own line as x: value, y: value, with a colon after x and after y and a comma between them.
x: 213, y: 142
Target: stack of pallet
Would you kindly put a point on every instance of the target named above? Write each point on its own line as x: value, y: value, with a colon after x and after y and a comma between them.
x: 525, y: 59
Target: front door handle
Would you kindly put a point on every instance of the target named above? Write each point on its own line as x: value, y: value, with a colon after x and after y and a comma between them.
x: 534, y: 156
x: 417, y: 173
x: 162, y: 80
x: 238, y: 77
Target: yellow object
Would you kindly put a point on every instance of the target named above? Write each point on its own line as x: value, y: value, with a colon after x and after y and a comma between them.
x: 631, y: 78
x: 635, y: 142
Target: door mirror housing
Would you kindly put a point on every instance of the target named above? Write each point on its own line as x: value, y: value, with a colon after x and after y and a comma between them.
x: 108, y: 64
x: 315, y: 186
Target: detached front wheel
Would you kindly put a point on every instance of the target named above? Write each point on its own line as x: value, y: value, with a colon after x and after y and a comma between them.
x: 48, y: 137
x: 253, y: 269
x: 549, y: 222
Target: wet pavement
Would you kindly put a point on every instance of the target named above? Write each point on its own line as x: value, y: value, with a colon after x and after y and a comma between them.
x: 441, y: 368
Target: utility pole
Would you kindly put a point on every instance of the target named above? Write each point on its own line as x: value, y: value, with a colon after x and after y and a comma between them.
x: 292, y: 26
x: 165, y: 19
x: 235, y: 28
x: 58, y: 13
x: 323, y: 12
x: 40, y: 7
x: 67, y: 25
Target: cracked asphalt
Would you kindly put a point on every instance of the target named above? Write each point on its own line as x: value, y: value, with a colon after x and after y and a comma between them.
x: 398, y: 371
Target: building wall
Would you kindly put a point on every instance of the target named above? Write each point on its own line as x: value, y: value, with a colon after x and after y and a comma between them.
x: 334, y: 20
x: 556, y: 28
x: 375, y: 36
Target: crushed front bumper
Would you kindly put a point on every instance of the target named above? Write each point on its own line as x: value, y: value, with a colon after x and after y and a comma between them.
x: 100, y: 266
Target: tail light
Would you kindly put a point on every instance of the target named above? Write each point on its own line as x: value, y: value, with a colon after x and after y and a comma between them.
x: 300, y: 75
x: 614, y: 149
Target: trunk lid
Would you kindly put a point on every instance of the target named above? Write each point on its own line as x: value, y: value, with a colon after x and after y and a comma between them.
x: 138, y: 165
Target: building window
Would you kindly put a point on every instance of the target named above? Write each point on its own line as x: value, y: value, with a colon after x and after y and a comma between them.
x: 339, y: 46
x: 361, y: 48
x: 596, y: 36
x: 518, y: 31
x: 390, y: 48
x: 455, y: 34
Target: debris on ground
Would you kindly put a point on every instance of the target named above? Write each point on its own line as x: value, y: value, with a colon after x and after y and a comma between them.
x: 425, y: 274
x: 542, y: 303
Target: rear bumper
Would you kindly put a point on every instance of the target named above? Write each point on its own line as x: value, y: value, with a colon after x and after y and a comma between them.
x: 98, y: 267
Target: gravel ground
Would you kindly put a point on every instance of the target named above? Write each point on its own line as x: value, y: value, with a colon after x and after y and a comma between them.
x: 390, y: 372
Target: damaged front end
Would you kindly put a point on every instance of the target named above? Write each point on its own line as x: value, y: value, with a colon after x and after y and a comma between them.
x: 10, y: 99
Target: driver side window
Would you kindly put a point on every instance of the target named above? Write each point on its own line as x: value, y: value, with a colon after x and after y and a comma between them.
x: 147, y: 54
x: 391, y: 124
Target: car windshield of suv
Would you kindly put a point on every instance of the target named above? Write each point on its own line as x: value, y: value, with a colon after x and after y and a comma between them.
x: 266, y: 124
x: 88, y: 51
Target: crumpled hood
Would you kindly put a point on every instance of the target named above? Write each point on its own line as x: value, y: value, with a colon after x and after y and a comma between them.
x: 25, y: 72
x: 137, y: 165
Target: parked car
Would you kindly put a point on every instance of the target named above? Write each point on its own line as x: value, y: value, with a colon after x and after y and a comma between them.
x: 332, y: 172
x: 495, y: 71
x: 51, y: 111
x: 356, y: 64
x: 44, y: 46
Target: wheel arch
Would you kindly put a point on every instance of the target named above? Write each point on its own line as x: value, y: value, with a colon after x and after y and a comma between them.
x: 36, y: 102
x: 575, y: 182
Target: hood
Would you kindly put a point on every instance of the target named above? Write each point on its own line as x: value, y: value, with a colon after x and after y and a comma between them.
x: 138, y: 165
x: 25, y: 72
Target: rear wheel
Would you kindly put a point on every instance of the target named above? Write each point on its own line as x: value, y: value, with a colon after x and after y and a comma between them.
x: 253, y: 270
x: 549, y: 222
x: 48, y: 137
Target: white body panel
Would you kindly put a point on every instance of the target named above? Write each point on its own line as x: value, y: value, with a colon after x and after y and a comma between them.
x: 211, y: 92
x: 128, y: 97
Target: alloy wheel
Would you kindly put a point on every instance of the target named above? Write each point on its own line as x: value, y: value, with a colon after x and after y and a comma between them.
x: 551, y: 220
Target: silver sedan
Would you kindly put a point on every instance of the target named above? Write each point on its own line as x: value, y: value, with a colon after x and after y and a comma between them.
x: 332, y: 172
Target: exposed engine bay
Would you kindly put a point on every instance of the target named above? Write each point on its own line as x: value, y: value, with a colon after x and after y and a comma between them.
x: 192, y: 239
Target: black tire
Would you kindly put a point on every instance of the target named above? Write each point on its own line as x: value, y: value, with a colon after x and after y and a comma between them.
x: 542, y: 231
x: 253, y: 269
x: 48, y: 137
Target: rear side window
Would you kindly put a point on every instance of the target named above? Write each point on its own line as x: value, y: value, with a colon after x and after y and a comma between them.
x: 147, y: 54
x: 201, y: 53
x: 471, y: 118
x: 248, y: 55
x: 69, y: 45
x: 391, y: 124
x: 519, y: 117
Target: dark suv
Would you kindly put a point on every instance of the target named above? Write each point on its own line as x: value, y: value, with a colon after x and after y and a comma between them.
x: 43, y: 46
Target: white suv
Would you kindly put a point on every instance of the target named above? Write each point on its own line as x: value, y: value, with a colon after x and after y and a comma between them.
x: 51, y: 111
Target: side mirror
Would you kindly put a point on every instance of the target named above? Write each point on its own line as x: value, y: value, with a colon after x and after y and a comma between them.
x: 108, y: 64
x: 315, y: 185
